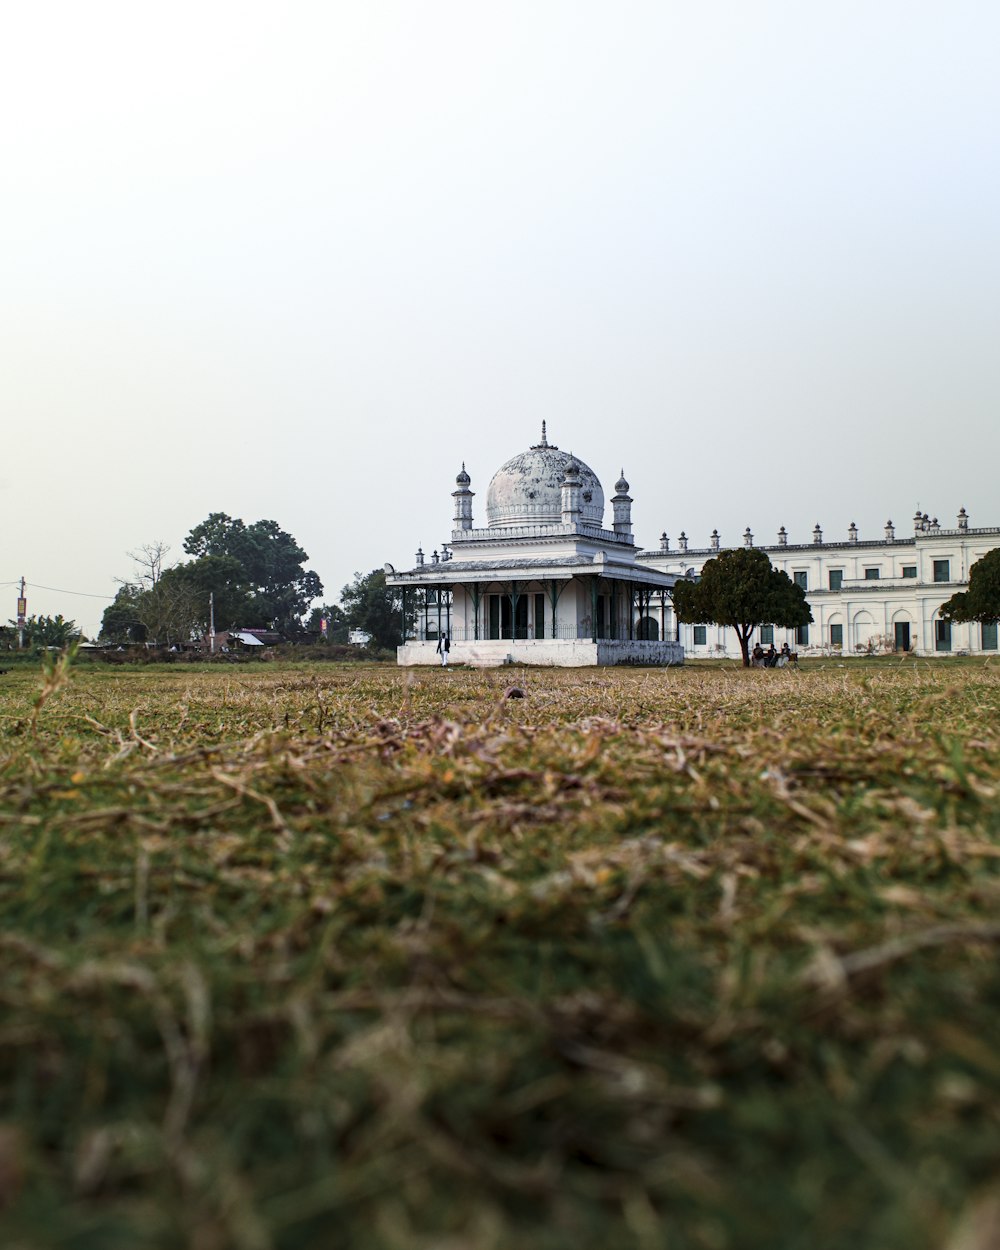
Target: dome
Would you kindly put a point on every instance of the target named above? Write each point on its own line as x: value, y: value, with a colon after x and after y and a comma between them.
x: 463, y: 478
x: 527, y: 489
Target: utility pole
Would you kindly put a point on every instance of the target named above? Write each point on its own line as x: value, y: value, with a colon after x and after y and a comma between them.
x: 211, y: 622
x: 22, y: 612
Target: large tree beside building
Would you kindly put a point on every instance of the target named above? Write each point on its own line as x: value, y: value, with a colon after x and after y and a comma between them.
x: 741, y: 590
x: 271, y: 563
x: 370, y: 605
x: 981, y: 602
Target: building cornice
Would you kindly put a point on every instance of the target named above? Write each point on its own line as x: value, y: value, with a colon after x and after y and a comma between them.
x: 866, y: 544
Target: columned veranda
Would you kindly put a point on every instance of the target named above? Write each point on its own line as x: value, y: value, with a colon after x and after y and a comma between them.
x: 583, y: 606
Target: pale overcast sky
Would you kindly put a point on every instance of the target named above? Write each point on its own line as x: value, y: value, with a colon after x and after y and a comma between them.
x: 298, y: 261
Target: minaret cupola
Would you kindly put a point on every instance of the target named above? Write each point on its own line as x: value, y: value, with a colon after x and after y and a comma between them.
x: 622, y: 504
x: 463, y: 500
x: 570, y: 493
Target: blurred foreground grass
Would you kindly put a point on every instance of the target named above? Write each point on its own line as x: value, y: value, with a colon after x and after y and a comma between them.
x: 314, y: 957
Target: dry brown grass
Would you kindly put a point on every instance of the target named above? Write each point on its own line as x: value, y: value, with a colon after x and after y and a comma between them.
x: 297, y: 957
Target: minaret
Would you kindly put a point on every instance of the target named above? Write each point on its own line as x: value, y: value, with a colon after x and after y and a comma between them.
x: 571, y: 488
x: 622, y: 503
x: 463, y: 501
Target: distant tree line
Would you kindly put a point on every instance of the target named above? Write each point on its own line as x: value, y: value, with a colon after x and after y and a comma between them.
x: 369, y: 605
x: 255, y: 573
x: 41, y: 631
x: 258, y: 578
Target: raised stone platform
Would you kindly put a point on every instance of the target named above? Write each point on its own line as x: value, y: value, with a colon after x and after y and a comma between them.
x: 549, y: 652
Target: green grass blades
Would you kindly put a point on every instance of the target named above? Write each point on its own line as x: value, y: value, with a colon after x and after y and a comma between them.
x: 294, y: 957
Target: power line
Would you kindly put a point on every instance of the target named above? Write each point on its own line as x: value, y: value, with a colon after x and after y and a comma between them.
x: 60, y: 591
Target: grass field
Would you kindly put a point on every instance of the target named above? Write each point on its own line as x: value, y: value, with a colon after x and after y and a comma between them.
x: 348, y: 957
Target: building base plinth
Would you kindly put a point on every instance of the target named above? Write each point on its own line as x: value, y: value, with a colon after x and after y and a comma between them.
x: 547, y: 652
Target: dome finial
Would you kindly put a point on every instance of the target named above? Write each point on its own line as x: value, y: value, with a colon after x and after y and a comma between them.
x: 545, y: 441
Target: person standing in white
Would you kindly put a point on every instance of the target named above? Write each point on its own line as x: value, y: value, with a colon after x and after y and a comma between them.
x: 443, y: 647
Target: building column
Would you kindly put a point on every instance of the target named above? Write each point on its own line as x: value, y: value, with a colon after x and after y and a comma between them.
x: 554, y: 593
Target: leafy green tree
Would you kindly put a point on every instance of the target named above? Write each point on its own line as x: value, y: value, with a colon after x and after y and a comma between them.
x: 121, y: 622
x: 371, y: 605
x: 981, y: 602
x: 49, y: 631
x: 279, y: 588
x: 336, y: 622
x: 740, y: 589
x: 222, y: 577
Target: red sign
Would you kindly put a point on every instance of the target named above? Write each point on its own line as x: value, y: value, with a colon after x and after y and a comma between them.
x: 22, y: 607
x: 322, y: 625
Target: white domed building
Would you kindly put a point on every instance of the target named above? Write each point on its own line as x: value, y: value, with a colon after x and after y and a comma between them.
x: 543, y: 582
